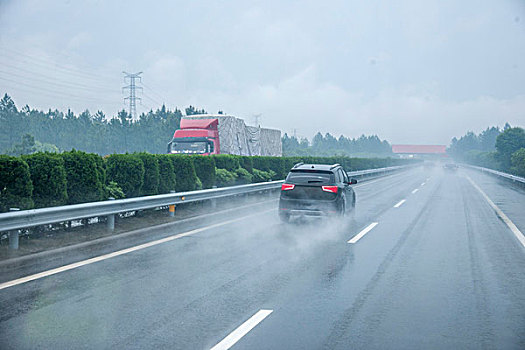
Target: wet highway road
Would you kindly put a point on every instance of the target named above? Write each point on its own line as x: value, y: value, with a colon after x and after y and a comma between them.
x: 429, y: 265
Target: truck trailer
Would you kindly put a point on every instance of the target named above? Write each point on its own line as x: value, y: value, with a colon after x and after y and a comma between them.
x: 207, y: 134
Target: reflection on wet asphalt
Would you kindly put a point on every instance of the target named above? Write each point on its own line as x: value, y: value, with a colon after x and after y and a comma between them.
x: 439, y: 271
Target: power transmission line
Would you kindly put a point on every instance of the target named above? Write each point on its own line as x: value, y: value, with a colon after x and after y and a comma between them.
x: 53, y: 93
x: 45, y: 63
x: 56, y: 77
x: 132, y: 92
x: 151, y: 99
x: 162, y: 97
x: 64, y: 76
x: 54, y: 82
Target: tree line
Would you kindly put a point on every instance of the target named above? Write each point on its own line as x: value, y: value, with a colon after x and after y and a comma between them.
x: 95, y: 133
x: 500, y: 149
x: 328, y: 145
x: 27, y: 130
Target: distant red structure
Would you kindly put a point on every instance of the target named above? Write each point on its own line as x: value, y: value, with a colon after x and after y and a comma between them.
x: 420, y: 150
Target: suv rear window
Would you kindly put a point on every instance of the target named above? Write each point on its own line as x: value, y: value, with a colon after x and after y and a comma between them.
x: 310, y: 177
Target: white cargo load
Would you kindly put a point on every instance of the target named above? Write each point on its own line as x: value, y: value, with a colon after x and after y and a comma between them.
x: 235, y: 137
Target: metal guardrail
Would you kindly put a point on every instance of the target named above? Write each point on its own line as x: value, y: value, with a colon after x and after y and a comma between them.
x: 36, y: 217
x: 361, y: 173
x: 15, y: 220
x: 497, y: 173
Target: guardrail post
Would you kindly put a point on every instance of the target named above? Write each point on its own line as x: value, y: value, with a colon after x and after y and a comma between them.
x: 13, y: 235
x: 171, y: 208
x: 111, y: 219
x: 214, y: 200
x: 13, y: 240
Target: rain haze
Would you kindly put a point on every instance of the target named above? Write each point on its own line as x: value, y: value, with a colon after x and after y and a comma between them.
x: 408, y: 71
x: 262, y: 174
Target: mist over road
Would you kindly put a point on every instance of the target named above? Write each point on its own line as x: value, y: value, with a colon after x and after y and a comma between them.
x: 425, y: 263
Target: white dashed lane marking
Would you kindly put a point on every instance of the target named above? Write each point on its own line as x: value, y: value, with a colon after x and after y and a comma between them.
x: 400, y: 203
x: 362, y: 233
x: 242, y: 330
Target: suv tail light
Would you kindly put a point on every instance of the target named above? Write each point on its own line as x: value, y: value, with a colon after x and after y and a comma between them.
x: 331, y: 189
x: 287, y: 187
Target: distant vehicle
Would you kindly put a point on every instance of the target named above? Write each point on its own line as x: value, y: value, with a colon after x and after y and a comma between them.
x: 451, y: 166
x: 207, y: 134
x: 316, y: 190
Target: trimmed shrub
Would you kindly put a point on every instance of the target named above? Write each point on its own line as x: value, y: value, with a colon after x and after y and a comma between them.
x: 100, y: 168
x: 224, y: 177
x: 150, y: 185
x: 127, y: 170
x: 289, y: 162
x: 167, y: 180
x: 226, y: 161
x: 184, y: 172
x: 348, y: 164
x: 276, y: 164
x: 113, y: 190
x: 262, y: 176
x: 83, y: 177
x: 48, y: 176
x: 260, y: 163
x: 246, y: 162
x: 198, y: 184
x: 15, y: 184
x: 243, y: 176
x: 205, y: 169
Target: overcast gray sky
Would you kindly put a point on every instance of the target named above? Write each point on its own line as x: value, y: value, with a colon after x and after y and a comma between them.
x: 410, y: 71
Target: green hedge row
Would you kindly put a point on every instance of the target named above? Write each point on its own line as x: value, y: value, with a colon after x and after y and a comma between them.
x: 281, y: 165
x: 50, y: 179
x: 16, y: 188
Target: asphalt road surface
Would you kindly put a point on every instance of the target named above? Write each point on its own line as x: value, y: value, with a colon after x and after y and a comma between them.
x: 425, y: 264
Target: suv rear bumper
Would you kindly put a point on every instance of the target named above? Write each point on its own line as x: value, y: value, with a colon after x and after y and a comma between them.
x: 306, y: 212
x: 307, y: 208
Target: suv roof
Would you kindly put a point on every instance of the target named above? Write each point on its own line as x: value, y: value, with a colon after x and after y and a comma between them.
x: 324, y: 167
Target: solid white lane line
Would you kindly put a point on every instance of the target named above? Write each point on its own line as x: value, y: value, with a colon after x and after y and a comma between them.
x: 118, y: 253
x: 414, y: 191
x: 400, y: 203
x: 242, y: 330
x: 500, y: 213
x: 362, y: 233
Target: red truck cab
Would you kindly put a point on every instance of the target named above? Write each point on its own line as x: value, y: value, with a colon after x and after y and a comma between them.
x: 196, y: 136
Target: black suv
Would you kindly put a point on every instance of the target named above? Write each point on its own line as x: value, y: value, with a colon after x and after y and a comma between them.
x: 316, y: 190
